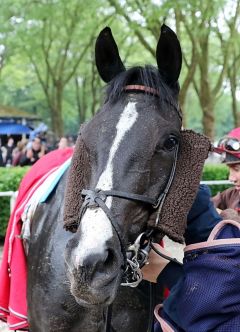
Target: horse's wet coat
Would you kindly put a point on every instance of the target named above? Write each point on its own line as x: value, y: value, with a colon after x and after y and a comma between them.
x: 95, y: 221
x: 131, y: 145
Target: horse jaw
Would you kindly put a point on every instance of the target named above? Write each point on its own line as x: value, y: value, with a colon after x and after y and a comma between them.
x: 96, y: 280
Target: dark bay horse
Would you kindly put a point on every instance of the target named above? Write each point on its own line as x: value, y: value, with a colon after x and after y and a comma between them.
x: 130, y: 145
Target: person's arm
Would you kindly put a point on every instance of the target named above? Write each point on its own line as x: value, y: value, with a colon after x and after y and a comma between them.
x: 202, y: 218
x: 42, y: 151
x: 155, y: 265
x: 219, y: 200
x: 160, y: 270
x: 24, y: 160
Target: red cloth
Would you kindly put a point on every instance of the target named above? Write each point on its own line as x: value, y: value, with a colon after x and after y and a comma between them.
x: 13, y: 271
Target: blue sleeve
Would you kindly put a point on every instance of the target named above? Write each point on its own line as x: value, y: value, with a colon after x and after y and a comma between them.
x: 202, y: 217
x: 200, y: 221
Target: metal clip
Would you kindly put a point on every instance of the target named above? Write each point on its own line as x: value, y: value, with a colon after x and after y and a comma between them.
x: 137, y: 256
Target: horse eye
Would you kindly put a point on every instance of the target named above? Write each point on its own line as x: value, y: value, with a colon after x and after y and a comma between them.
x: 170, y: 143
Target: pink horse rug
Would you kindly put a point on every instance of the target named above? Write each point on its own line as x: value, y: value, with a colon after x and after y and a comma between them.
x: 13, y: 272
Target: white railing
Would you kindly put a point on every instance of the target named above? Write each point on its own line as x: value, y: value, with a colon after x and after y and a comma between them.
x: 215, y: 182
x: 12, y: 195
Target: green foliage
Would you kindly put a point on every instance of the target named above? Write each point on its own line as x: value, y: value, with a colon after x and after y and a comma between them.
x: 10, y: 179
x: 42, y: 53
x: 215, y: 172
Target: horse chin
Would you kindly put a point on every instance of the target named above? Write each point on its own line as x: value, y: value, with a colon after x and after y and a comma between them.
x: 92, y: 297
x: 91, y: 304
x: 97, y: 292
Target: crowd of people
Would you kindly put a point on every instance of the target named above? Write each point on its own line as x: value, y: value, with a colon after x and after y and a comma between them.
x: 27, y: 152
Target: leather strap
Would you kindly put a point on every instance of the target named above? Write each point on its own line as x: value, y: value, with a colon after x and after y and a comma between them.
x: 143, y: 88
x: 154, y: 92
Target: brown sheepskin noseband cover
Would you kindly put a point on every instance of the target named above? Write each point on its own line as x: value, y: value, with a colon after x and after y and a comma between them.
x: 193, y: 151
x: 77, y: 180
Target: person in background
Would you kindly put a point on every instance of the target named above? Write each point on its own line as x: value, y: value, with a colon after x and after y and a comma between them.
x: 1, y: 154
x: 50, y: 141
x: 229, y: 148
x: 18, y: 152
x: 9, y: 150
x: 71, y: 141
x: 63, y: 143
x: 33, y: 153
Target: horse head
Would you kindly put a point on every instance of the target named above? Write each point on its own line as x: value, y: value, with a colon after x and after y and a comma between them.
x: 123, y: 160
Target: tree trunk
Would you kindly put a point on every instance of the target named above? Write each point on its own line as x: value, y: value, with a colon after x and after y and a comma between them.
x: 57, y: 123
x: 56, y: 111
x: 207, y: 103
x: 208, y: 120
x: 206, y: 98
x: 81, y: 99
x: 236, y: 114
x: 232, y: 76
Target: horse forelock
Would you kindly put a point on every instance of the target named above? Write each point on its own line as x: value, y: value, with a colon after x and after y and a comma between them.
x: 148, y: 76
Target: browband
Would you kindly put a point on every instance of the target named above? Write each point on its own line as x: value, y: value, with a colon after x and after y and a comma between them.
x: 148, y: 89
x: 144, y: 88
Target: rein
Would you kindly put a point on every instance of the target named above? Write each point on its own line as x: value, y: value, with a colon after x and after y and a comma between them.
x: 136, y: 254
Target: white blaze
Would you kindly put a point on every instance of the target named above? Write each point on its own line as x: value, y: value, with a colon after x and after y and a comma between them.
x: 96, y: 228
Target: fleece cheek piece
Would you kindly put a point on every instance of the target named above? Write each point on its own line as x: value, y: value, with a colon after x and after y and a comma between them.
x: 77, y: 180
x: 193, y: 151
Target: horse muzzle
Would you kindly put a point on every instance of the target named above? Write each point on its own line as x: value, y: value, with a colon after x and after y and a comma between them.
x: 95, y: 274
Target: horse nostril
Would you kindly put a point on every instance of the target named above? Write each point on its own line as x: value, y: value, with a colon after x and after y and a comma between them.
x: 109, y: 259
x: 99, y: 260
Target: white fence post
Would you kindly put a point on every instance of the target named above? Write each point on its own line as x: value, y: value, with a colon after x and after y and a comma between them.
x: 12, y: 195
x: 13, y: 200
x: 215, y: 182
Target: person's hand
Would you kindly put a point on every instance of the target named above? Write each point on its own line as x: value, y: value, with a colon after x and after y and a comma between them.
x: 155, y: 264
x: 42, y: 152
x: 230, y: 214
x: 29, y: 154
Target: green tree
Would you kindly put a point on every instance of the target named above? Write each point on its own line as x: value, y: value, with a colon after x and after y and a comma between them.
x: 55, y: 36
x: 210, y: 45
x: 47, y: 63
x: 233, y: 76
x: 206, y: 30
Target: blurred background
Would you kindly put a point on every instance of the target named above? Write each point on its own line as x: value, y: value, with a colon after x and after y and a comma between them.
x: 47, y: 64
x: 49, y: 84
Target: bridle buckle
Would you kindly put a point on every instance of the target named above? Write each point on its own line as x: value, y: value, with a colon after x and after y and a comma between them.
x: 91, y: 197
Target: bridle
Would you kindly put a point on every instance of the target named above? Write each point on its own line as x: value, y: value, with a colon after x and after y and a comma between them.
x: 136, y: 254
x: 154, y: 92
x: 132, y: 260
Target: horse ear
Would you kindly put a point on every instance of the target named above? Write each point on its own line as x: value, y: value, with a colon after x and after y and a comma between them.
x: 169, y: 55
x: 108, y: 61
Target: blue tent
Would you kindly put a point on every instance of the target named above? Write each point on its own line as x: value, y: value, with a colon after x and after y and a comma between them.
x: 11, y: 128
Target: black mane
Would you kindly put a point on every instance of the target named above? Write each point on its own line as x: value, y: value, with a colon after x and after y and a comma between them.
x: 148, y: 76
